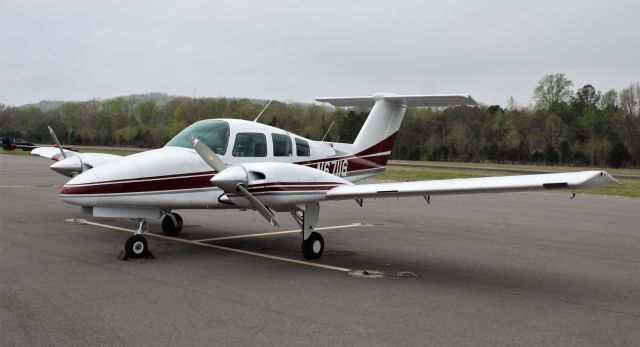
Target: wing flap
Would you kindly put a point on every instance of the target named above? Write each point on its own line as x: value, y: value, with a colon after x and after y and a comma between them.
x: 572, y: 180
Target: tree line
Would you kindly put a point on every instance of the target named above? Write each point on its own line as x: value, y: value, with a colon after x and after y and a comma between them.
x: 585, y: 127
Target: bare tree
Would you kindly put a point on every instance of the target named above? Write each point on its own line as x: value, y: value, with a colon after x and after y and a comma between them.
x: 630, y: 99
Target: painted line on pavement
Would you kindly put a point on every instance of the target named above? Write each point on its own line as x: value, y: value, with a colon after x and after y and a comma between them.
x: 223, y: 248
x: 354, y: 225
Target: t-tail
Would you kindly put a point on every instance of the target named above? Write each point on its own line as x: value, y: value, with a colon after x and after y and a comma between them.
x: 378, y: 134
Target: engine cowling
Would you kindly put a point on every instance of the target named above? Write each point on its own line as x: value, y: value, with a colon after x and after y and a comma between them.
x: 276, y: 184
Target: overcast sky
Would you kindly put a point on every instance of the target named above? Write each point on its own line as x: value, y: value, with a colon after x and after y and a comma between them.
x: 298, y: 50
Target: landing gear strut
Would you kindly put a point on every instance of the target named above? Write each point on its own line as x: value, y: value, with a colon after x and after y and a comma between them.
x: 312, y: 242
x: 171, y: 224
x: 136, y: 245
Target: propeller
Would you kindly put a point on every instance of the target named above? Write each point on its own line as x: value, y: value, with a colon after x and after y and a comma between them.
x: 232, y: 179
x: 209, y: 156
x: 55, y: 140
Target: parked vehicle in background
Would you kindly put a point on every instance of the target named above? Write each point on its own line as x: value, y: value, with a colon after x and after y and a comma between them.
x: 10, y: 144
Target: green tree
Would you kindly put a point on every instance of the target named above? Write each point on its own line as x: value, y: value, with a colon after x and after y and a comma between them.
x: 609, y: 100
x: 619, y: 155
x: 552, y: 90
x: 586, y: 97
x: 145, y: 110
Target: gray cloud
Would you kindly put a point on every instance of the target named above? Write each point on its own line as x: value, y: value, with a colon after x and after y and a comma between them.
x: 298, y: 50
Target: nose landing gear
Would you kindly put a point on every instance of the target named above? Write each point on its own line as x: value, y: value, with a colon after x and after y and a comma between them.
x: 136, y: 245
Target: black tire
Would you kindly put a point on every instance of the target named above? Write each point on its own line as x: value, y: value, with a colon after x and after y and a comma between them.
x: 313, y: 247
x: 136, y: 247
x: 170, y: 229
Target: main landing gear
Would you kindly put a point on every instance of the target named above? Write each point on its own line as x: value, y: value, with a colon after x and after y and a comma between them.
x: 171, y: 224
x: 136, y: 245
x: 312, y: 242
x: 313, y: 246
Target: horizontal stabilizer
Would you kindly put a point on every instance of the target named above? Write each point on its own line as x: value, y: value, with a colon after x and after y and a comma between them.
x: 407, y: 100
x: 568, y: 180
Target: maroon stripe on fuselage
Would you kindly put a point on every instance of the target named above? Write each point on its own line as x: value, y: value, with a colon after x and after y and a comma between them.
x: 353, y: 164
x: 140, y: 185
x: 180, y: 175
x: 382, y: 146
x: 186, y: 183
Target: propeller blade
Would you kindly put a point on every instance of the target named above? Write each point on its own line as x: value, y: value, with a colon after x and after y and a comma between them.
x: 55, y: 140
x: 264, y: 211
x: 209, y: 156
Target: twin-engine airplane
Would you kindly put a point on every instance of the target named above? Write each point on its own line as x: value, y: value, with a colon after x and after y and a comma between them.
x: 238, y: 164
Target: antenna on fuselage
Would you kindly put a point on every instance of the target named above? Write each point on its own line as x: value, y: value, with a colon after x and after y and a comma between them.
x: 261, y: 112
x: 327, y: 133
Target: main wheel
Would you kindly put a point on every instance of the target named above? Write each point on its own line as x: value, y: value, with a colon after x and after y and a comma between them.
x: 136, y: 247
x: 169, y: 227
x: 313, y: 246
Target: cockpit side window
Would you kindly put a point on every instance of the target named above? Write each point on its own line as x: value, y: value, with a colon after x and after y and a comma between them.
x: 302, y: 148
x: 212, y: 132
x: 281, y: 145
x: 250, y: 145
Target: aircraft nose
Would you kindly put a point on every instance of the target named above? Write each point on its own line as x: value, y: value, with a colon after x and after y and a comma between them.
x: 75, y: 191
x: 73, y: 185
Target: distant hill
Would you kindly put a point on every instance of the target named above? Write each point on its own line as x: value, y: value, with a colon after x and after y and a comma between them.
x: 45, y: 105
x: 161, y: 99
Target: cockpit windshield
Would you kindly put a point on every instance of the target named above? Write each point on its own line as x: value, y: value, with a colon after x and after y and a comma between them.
x: 213, y: 133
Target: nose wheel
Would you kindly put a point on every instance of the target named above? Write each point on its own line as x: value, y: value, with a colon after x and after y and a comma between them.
x: 136, y: 245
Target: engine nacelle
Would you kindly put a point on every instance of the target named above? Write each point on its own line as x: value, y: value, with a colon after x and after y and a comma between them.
x: 277, y: 184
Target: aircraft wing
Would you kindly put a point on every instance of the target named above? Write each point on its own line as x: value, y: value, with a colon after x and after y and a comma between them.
x: 75, y: 162
x: 52, y: 153
x: 570, y: 180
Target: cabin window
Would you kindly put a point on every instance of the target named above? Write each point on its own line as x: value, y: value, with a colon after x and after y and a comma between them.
x: 250, y: 145
x: 213, y: 133
x: 302, y: 148
x: 282, y: 146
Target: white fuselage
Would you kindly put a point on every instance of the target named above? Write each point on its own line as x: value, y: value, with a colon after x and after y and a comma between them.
x: 177, y: 178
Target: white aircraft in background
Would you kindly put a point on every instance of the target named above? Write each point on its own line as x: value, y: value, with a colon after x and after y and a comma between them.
x: 71, y: 163
x: 239, y: 164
